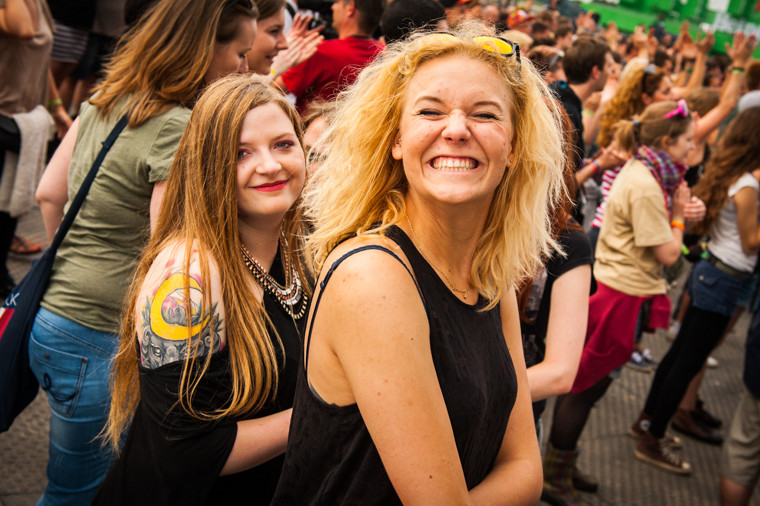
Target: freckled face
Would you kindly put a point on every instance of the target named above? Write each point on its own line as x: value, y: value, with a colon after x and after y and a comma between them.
x: 455, y: 134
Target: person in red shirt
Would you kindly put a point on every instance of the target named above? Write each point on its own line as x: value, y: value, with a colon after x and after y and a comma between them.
x: 337, y: 62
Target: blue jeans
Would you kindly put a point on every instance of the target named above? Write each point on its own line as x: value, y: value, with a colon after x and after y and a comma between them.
x: 72, y: 364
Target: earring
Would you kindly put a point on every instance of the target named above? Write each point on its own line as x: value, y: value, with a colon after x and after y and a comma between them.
x: 398, y: 142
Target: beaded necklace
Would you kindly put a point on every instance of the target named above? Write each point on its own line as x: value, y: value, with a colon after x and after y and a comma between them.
x: 289, y: 295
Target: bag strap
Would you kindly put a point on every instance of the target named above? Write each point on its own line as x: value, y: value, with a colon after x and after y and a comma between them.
x: 76, y: 204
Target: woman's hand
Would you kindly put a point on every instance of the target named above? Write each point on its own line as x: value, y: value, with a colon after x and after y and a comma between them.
x: 695, y: 210
x: 704, y: 45
x: 298, y: 51
x: 681, y: 198
x: 741, y: 49
x: 62, y: 120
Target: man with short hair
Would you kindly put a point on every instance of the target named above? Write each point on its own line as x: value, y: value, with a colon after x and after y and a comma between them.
x: 337, y: 62
x: 563, y: 36
x: 587, y: 64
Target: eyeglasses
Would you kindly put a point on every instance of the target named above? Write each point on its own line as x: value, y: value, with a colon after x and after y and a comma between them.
x: 499, y: 45
x: 682, y: 109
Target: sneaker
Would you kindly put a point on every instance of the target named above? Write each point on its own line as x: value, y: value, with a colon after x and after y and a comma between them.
x: 704, y: 417
x: 641, y: 427
x: 655, y: 452
x: 646, y: 355
x: 712, y: 362
x: 637, y: 362
x: 675, y: 327
x: 684, y: 422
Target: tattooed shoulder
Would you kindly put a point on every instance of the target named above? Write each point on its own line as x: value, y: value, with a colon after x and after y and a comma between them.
x: 169, y: 300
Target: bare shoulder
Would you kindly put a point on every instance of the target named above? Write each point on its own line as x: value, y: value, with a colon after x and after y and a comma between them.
x: 173, y: 315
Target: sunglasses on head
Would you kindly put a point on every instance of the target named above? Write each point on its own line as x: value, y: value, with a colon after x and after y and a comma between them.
x: 499, y: 45
x: 682, y: 109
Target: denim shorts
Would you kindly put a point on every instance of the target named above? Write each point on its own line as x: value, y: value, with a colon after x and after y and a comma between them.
x: 715, y: 290
x: 72, y: 364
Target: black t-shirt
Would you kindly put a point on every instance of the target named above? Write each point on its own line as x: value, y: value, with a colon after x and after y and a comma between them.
x: 578, y: 252
x: 331, y: 458
x: 171, y: 458
x: 572, y: 104
x: 78, y: 14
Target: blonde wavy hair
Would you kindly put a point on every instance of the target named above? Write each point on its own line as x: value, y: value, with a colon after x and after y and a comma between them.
x: 627, y: 101
x: 200, y: 210
x: 163, y: 59
x: 361, y: 189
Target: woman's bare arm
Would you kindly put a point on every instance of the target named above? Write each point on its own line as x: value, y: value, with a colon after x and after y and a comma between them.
x: 52, y: 192
x: 565, y: 334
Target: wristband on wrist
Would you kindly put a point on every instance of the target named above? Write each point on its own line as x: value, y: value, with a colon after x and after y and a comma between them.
x: 678, y: 224
x: 587, y: 112
x: 54, y: 103
x: 689, y: 71
x: 737, y: 70
x: 597, y: 167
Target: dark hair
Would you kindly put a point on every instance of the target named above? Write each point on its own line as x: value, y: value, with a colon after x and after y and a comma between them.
x: 544, y: 58
x: 661, y: 56
x: 737, y: 152
x: 702, y: 100
x: 544, y: 41
x: 752, y: 75
x: 540, y: 27
x: 268, y: 8
x: 563, y: 30
x: 580, y: 58
x: 401, y: 17
x: 370, y: 12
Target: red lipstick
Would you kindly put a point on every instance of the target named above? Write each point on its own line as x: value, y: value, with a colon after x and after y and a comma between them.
x: 271, y: 187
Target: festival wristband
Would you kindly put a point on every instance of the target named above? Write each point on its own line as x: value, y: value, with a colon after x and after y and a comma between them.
x: 597, y: 167
x: 737, y: 70
x: 54, y: 103
x: 678, y: 224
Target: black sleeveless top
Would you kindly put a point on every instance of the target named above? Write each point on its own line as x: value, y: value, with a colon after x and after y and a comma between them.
x: 171, y: 458
x: 331, y: 458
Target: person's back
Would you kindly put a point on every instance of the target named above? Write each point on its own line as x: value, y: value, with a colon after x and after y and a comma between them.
x: 337, y: 62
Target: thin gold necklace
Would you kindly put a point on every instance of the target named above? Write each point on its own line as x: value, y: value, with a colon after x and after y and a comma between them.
x: 419, y: 247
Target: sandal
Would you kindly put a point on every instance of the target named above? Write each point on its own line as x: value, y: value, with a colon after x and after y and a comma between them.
x: 21, y: 246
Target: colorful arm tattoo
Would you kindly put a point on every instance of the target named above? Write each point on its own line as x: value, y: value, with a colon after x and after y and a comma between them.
x: 164, y: 330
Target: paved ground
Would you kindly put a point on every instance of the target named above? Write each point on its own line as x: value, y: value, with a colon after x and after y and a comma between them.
x: 607, y: 452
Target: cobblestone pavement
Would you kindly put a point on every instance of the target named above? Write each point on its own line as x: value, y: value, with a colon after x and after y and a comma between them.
x: 606, y: 450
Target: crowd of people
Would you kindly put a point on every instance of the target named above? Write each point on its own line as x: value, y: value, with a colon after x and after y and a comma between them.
x: 346, y: 255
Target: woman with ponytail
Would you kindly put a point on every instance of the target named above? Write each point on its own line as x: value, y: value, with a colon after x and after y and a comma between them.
x: 729, y: 188
x: 642, y: 232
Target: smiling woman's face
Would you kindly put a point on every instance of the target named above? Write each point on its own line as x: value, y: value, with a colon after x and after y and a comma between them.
x: 269, y: 41
x: 455, y: 135
x: 270, y: 166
